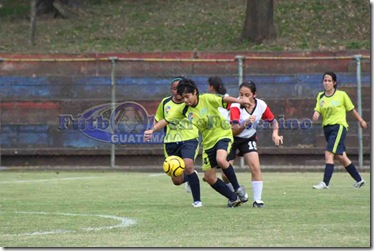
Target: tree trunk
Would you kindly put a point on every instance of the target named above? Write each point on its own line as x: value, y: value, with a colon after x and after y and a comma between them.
x: 58, y: 8
x: 259, y: 21
x: 32, y: 21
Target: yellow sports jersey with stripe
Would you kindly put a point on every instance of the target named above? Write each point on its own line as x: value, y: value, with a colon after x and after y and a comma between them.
x: 178, y: 130
x: 207, y: 118
x: 333, y: 108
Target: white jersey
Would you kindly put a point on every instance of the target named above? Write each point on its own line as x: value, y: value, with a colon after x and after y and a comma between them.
x: 239, y: 114
x: 224, y: 112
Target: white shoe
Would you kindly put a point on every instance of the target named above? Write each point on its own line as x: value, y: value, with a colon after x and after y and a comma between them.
x: 359, y: 184
x: 321, y: 185
x: 187, y: 187
x: 197, y: 204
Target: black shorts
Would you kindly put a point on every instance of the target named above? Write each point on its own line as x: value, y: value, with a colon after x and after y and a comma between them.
x: 210, y: 155
x: 242, y: 146
x: 335, y: 137
x: 185, y: 149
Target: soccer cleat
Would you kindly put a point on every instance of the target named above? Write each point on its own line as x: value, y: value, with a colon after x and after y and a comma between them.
x: 234, y: 203
x: 187, y: 187
x: 197, y: 204
x: 321, y: 185
x: 242, y: 194
x: 359, y: 184
x: 258, y: 203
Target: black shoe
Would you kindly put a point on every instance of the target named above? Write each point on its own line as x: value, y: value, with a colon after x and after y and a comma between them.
x: 234, y: 203
x: 258, y: 203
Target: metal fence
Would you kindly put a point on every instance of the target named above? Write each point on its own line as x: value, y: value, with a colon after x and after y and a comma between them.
x: 44, y: 100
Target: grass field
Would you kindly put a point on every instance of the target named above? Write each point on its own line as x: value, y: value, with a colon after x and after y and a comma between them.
x: 119, y: 209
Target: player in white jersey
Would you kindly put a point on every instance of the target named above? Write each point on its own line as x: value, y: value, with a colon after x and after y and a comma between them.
x: 244, y: 121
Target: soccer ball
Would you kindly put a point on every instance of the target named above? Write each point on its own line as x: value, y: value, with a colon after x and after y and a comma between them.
x: 174, y: 166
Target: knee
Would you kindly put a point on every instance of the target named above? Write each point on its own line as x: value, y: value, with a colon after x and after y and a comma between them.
x: 177, y: 180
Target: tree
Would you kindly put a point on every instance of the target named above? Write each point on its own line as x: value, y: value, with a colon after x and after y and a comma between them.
x: 58, y: 8
x: 259, y: 21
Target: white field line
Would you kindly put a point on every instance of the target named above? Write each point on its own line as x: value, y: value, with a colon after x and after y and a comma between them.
x: 123, y: 222
x: 46, y: 180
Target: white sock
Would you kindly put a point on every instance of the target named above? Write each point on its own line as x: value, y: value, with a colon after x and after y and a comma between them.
x: 257, y: 189
x: 229, y: 185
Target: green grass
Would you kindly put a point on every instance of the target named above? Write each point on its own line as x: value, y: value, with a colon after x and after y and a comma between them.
x: 181, y: 25
x: 79, y: 209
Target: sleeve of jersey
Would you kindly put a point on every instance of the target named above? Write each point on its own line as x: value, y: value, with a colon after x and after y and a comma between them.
x: 268, y: 115
x: 348, y: 103
x: 234, y: 114
x: 159, y: 112
x: 176, y: 115
x: 317, y: 107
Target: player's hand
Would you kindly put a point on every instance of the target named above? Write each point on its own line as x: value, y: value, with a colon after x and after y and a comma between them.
x: 148, y: 135
x: 278, y: 140
x: 363, y: 124
x: 315, y: 116
x: 245, y: 101
x: 250, y: 121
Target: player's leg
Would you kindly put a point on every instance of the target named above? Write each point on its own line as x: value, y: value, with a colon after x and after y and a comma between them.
x: 231, y: 158
x: 332, y: 135
x: 223, y: 146
x: 351, y: 169
x: 189, y: 151
x: 253, y: 161
x: 209, y: 167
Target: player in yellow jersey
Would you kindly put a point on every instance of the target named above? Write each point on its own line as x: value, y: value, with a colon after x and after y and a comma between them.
x: 181, y: 139
x: 333, y: 104
x: 202, y: 111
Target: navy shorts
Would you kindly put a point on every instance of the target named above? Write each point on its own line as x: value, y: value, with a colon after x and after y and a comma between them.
x: 242, y: 146
x: 210, y: 155
x: 335, y: 137
x: 185, y: 149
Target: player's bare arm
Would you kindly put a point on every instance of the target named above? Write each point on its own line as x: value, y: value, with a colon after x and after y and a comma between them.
x: 158, y: 126
x: 278, y: 139
x: 362, y: 122
x: 243, y: 101
x: 315, y: 115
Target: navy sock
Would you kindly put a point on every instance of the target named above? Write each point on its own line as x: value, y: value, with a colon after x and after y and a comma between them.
x: 185, y: 177
x: 193, y: 179
x: 329, y: 169
x: 221, y: 187
x: 231, y: 176
x: 351, y: 169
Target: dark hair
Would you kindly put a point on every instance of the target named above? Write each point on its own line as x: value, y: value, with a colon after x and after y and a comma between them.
x: 333, y: 76
x: 179, y: 78
x: 187, y: 86
x: 249, y: 84
x: 217, y: 84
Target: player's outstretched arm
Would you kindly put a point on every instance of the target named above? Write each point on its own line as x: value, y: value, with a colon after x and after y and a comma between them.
x: 243, y: 101
x: 158, y: 126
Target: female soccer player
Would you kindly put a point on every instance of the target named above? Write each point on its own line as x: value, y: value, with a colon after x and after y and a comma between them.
x: 333, y: 104
x: 244, y: 121
x: 202, y: 111
x: 181, y: 139
x: 216, y: 86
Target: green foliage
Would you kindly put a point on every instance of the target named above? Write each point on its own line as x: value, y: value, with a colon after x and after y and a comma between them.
x: 78, y: 209
x: 180, y: 25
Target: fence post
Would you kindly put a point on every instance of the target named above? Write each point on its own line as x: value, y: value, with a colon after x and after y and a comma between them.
x: 359, y: 109
x: 113, y: 106
x: 240, y: 81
